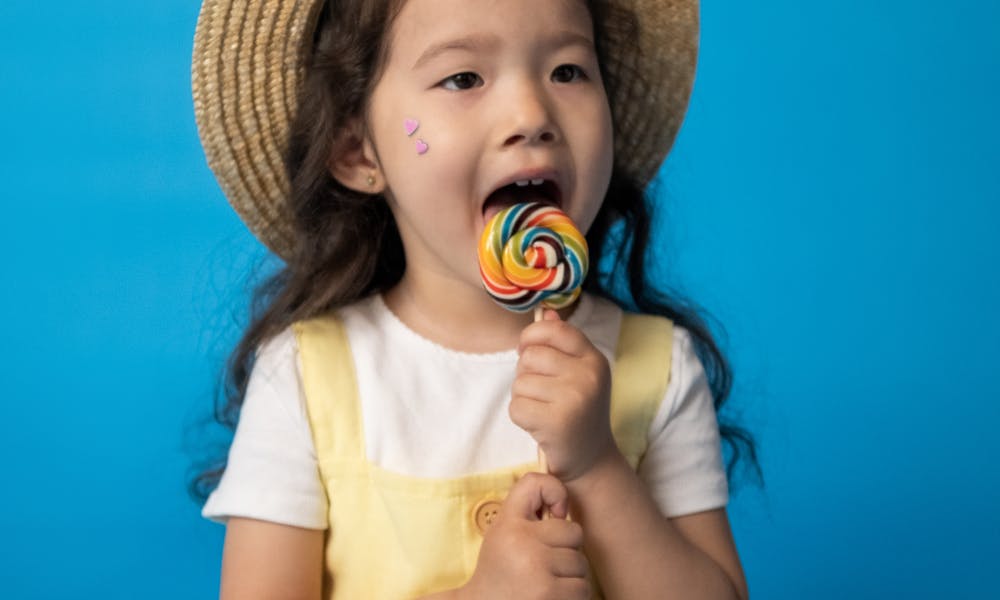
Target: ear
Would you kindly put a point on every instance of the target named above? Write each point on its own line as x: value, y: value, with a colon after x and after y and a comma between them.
x: 354, y: 163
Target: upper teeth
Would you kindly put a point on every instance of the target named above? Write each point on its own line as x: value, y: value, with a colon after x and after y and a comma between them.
x: 525, y: 182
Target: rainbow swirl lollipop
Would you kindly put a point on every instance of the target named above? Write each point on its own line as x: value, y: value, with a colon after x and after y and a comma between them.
x: 532, y: 253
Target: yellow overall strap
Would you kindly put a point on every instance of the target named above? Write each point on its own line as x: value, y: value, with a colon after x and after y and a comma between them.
x: 639, y: 380
x: 328, y: 366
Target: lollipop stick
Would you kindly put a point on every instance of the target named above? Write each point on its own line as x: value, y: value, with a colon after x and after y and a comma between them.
x: 543, y: 463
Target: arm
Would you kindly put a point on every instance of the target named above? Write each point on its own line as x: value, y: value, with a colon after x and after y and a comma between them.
x: 261, y: 559
x: 561, y: 396
x: 638, y: 553
x: 272, y: 473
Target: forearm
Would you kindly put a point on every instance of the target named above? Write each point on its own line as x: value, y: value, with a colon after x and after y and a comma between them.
x: 635, y: 551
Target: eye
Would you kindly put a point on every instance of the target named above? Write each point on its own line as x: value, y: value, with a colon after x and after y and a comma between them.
x: 462, y: 81
x: 567, y: 73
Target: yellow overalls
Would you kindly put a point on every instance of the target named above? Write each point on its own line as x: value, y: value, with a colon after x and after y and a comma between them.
x: 395, y: 536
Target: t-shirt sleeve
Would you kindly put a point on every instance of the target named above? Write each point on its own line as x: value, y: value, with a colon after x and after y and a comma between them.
x: 683, y: 463
x: 272, y: 472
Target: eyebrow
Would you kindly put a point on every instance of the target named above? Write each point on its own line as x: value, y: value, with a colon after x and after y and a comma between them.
x: 468, y: 43
x: 482, y: 42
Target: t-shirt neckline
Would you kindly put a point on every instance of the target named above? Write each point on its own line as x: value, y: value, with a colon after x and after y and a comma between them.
x: 390, y: 319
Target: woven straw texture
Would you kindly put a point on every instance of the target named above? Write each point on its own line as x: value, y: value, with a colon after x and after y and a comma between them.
x: 247, y: 70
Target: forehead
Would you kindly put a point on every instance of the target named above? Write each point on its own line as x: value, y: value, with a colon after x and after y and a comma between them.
x: 421, y: 24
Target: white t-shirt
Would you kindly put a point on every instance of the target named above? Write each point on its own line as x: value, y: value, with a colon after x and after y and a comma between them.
x: 429, y: 411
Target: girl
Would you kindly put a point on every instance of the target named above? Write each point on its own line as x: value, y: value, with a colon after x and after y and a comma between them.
x: 388, y: 410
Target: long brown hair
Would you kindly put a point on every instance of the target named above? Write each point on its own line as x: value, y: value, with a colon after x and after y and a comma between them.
x: 348, y: 246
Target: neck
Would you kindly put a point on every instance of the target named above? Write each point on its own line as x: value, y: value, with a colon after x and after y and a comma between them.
x: 455, y: 315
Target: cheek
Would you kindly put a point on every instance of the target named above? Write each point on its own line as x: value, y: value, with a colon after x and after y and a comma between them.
x: 400, y: 154
x: 607, y: 136
x: 414, y: 143
x: 598, y: 163
x: 596, y: 136
x: 603, y: 156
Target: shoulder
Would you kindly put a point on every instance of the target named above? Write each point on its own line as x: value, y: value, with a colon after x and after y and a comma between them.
x: 271, y: 466
x: 364, y: 309
x: 688, y: 381
x: 607, y: 325
x: 275, y: 359
x: 665, y: 356
x: 359, y: 318
x: 683, y: 355
x: 362, y: 318
x: 683, y: 465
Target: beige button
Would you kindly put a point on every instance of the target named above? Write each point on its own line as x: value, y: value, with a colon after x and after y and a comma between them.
x: 485, y: 514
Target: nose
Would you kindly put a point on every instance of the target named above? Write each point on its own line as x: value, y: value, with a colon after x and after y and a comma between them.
x: 529, y: 117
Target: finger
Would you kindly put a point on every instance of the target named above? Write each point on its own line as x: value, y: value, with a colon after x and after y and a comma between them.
x: 531, y: 494
x: 543, y: 360
x: 568, y: 563
x: 560, y: 533
x: 533, y: 386
x: 528, y: 414
x: 558, y: 334
x: 572, y: 588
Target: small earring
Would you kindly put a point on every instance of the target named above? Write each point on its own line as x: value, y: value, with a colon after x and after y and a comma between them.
x: 371, y: 179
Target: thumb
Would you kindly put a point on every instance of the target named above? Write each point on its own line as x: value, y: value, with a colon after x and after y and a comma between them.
x: 534, y: 495
x: 550, y: 315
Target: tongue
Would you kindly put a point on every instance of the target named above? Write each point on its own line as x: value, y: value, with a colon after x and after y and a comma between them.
x: 508, y: 196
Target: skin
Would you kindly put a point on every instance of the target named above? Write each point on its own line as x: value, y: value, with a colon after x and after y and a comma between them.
x: 526, y: 95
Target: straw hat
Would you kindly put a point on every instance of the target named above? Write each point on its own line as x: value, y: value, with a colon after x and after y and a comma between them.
x: 247, y: 69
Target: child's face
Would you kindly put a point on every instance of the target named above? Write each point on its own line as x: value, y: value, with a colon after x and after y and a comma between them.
x: 501, y: 90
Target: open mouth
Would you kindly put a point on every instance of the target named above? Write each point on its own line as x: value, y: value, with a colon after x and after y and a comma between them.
x: 545, y: 191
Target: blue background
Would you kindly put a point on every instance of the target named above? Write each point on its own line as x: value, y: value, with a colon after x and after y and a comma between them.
x: 832, y: 201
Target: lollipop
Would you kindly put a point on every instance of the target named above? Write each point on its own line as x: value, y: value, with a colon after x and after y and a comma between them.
x: 531, y: 254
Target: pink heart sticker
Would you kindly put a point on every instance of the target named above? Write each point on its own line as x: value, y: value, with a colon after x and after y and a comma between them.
x: 421, y: 146
x: 410, y: 125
